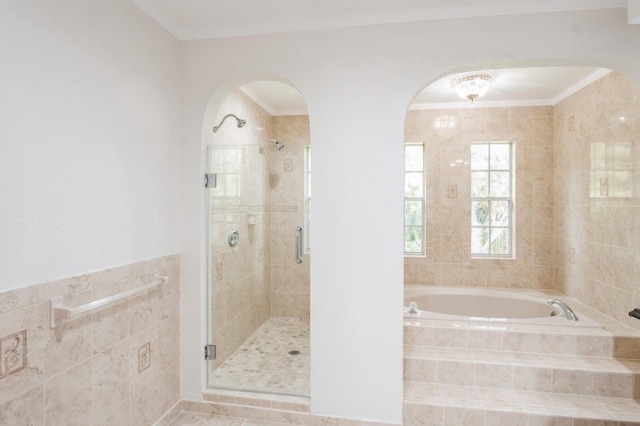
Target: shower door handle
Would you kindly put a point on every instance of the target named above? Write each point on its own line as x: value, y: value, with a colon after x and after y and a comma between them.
x: 299, y: 244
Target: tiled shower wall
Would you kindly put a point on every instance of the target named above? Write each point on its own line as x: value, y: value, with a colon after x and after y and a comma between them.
x: 447, y: 135
x: 240, y: 299
x: 117, y: 365
x: 596, y: 184
x: 289, y: 280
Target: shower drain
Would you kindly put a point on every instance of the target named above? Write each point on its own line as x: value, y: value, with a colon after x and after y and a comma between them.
x: 294, y: 352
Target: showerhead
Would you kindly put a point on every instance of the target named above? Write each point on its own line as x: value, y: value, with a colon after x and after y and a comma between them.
x: 279, y: 145
x: 240, y: 122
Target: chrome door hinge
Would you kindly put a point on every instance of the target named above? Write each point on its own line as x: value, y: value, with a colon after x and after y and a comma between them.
x: 210, y: 180
x: 209, y: 352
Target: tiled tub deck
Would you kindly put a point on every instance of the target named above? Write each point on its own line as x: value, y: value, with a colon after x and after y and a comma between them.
x: 479, y: 374
x: 460, y: 373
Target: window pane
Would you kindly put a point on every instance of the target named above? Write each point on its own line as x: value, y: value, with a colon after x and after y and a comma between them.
x: 414, y: 198
x: 499, y: 157
x: 499, y: 213
x: 499, y: 241
x: 480, y: 240
x: 413, y: 158
x: 413, y: 185
x: 623, y: 157
x: 479, y: 156
x: 598, y: 155
x: 479, y: 184
x: 413, y: 213
x: 622, y: 184
x: 491, y: 204
x: 500, y: 184
x: 413, y: 240
x: 480, y: 213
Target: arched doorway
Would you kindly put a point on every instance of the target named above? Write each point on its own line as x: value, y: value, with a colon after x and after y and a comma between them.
x: 256, y: 168
x: 572, y: 173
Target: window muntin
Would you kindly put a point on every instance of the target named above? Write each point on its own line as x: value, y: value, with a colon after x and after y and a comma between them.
x: 492, y: 199
x: 414, y: 204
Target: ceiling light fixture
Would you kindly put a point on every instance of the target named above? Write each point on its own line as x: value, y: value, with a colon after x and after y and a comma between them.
x: 472, y: 86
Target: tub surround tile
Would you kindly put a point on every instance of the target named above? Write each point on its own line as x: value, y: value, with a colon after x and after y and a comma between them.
x: 603, y: 237
x: 450, y: 337
x: 533, y: 137
x: 539, y: 375
x: 533, y: 406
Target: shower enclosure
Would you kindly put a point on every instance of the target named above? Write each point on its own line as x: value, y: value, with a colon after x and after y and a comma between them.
x: 258, y: 292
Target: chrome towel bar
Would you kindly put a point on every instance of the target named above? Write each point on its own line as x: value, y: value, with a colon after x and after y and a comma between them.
x: 61, y: 313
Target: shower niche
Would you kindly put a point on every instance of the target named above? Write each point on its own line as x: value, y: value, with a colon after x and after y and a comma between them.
x: 258, y: 293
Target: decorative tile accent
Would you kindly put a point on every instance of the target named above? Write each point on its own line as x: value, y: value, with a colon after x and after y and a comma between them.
x: 13, y: 353
x: 604, y: 187
x: 288, y: 165
x: 572, y: 255
x: 144, y: 357
x: 572, y: 123
x: 452, y: 191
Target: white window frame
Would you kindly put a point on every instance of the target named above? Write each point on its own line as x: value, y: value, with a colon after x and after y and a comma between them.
x: 422, y: 202
x: 510, y: 200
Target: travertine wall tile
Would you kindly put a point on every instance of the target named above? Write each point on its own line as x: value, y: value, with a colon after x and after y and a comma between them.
x: 68, y: 396
x: 81, y: 371
x: 290, y: 289
x: 240, y: 275
x: 448, y: 261
x: 596, y: 184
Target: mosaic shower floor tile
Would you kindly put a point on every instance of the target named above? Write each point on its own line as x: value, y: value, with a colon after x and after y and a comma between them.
x: 273, y: 359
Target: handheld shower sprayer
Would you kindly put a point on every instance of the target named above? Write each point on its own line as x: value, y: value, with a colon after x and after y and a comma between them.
x: 241, y: 122
x: 279, y: 145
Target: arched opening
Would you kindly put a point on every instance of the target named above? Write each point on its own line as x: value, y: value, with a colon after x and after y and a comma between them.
x: 524, y: 193
x: 256, y: 167
x: 514, y: 117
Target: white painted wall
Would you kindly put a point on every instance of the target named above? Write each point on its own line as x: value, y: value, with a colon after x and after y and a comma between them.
x: 89, y: 142
x: 357, y: 84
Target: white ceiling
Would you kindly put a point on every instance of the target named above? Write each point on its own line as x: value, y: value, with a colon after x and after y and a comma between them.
x: 509, y: 87
x: 196, y: 19
x: 512, y: 87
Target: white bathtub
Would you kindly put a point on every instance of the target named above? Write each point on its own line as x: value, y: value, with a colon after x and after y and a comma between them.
x: 487, y: 305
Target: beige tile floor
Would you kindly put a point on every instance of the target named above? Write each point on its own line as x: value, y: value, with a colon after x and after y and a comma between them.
x: 264, y: 362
